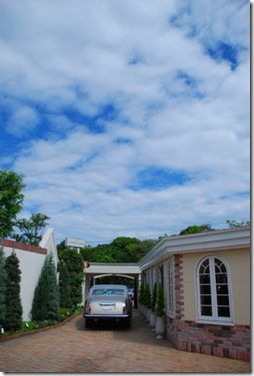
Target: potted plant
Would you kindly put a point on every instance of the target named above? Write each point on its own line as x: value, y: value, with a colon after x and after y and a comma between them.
x: 154, y: 299
x: 160, y: 323
x: 141, y: 298
x: 147, y: 301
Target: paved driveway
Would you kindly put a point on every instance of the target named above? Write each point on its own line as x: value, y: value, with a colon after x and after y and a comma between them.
x: 72, y: 348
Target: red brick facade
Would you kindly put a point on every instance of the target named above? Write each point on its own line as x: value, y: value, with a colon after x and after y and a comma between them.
x: 219, y: 340
x: 179, y: 297
x: 22, y: 246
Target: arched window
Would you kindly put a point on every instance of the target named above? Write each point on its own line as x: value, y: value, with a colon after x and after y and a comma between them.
x: 214, y: 290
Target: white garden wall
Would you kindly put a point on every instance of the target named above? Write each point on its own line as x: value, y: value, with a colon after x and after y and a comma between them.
x: 31, y: 260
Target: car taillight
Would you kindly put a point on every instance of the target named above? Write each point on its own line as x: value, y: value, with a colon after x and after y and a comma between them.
x: 124, y: 308
x: 89, y: 309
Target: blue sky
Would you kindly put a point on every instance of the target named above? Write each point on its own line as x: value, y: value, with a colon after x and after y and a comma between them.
x: 127, y: 118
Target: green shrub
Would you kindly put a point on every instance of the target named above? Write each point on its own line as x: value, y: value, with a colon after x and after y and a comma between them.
x: 46, y: 296
x: 73, y: 262
x: 154, y: 296
x: 64, y: 285
x: 13, y: 307
x: 160, y: 301
x: 64, y: 313
x: 142, y: 293
x: 28, y: 325
x: 2, y: 288
x: 147, y: 296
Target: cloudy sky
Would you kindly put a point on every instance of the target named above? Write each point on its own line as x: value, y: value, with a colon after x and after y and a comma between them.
x: 127, y: 118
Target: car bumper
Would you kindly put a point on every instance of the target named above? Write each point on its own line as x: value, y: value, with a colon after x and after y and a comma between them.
x: 94, y: 316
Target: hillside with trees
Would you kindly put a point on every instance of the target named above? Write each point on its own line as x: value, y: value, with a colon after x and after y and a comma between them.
x: 121, y: 249
x: 131, y: 250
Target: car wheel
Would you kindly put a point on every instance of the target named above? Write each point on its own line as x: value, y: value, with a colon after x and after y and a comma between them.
x: 128, y: 323
x: 88, y: 323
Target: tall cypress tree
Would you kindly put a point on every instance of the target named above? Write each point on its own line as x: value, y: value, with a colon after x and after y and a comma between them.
x: 160, y: 300
x: 13, y: 316
x: 46, y: 296
x: 2, y: 288
x: 147, y: 294
x: 154, y: 296
x: 74, y: 264
x: 64, y: 286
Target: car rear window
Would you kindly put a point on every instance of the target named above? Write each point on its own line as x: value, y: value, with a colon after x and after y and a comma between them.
x: 108, y: 292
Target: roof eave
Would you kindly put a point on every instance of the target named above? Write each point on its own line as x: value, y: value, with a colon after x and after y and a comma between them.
x: 203, y: 242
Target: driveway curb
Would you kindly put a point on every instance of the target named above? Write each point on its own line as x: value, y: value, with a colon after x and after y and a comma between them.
x: 34, y: 331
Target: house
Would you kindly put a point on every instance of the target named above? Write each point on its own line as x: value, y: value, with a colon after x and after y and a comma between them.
x: 206, y: 282
x: 31, y: 260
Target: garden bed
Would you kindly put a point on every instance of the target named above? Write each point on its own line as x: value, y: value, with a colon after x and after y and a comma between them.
x: 8, y: 335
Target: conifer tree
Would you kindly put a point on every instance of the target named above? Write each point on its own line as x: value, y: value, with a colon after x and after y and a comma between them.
x: 154, y: 296
x: 2, y: 288
x: 13, y: 307
x: 142, y: 293
x: 46, y: 296
x: 64, y: 286
x: 160, y: 301
x: 147, y: 302
x: 74, y: 264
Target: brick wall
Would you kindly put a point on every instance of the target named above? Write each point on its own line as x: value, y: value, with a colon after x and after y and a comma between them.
x: 219, y: 340
x: 22, y: 246
x: 179, y: 296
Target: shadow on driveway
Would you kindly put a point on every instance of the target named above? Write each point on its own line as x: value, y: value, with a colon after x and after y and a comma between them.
x: 138, y: 332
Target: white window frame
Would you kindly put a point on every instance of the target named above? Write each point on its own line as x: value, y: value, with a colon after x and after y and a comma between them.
x: 215, y: 319
x: 171, y: 287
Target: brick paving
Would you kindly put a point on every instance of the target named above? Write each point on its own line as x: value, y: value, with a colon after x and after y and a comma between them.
x: 111, y: 348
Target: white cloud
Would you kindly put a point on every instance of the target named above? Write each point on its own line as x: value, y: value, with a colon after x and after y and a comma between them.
x: 83, y: 56
x: 23, y: 119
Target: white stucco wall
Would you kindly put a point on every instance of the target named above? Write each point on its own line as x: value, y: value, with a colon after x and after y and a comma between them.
x: 232, y: 244
x: 238, y: 261
x: 30, y: 264
x: 48, y: 242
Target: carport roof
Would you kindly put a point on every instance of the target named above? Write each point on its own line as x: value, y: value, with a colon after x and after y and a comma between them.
x: 97, y: 268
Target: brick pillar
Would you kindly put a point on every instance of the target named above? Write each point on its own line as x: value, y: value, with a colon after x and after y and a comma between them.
x: 174, y: 324
x: 179, y: 295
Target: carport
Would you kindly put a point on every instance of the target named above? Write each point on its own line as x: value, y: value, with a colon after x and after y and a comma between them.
x: 96, y: 270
